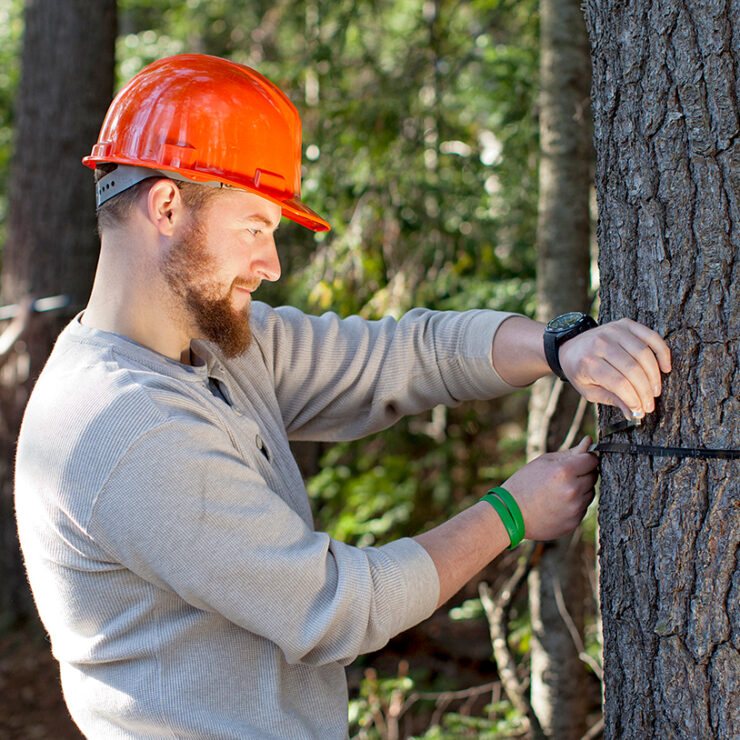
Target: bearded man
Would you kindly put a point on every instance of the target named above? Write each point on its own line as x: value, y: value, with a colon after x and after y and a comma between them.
x: 164, y: 522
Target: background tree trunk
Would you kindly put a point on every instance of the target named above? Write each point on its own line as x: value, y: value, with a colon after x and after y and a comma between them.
x: 66, y: 85
x: 558, y: 690
x: 665, y: 99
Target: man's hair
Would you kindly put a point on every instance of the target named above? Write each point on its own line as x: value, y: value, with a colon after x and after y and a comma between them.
x: 118, y: 209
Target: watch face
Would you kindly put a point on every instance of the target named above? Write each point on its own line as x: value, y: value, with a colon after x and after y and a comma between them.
x: 566, y: 321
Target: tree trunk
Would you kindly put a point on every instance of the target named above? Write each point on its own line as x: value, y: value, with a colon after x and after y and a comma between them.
x: 66, y: 84
x: 558, y: 694
x: 665, y: 100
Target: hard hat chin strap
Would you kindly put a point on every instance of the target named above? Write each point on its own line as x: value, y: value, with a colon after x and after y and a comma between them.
x: 125, y: 176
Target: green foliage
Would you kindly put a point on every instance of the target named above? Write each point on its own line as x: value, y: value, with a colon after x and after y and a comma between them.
x: 427, y: 206
x: 420, y: 147
x: 419, y: 137
x: 371, y: 500
x: 379, y: 704
x: 406, y: 480
x: 469, y: 609
x: 458, y: 726
x: 379, y: 710
x: 11, y: 29
x: 520, y: 633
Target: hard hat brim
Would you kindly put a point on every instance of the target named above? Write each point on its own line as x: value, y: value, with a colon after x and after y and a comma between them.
x: 293, y: 208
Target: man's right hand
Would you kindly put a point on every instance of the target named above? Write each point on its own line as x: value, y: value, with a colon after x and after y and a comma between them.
x: 554, y: 491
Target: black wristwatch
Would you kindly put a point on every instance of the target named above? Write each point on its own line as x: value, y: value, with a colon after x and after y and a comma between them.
x: 559, y: 330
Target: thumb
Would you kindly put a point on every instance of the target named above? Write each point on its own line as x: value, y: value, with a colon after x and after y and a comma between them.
x: 583, y: 445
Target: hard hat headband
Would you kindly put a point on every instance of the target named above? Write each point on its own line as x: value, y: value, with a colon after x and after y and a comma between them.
x: 125, y: 176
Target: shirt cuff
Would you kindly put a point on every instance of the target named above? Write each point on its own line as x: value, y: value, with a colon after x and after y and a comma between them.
x: 417, y: 591
x: 477, y: 348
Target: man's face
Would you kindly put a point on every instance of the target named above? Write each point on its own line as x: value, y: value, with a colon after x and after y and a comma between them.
x: 220, y: 257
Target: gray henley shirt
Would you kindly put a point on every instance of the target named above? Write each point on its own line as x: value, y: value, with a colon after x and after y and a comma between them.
x: 167, y: 532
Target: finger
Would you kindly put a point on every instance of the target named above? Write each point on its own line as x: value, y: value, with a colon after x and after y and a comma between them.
x: 639, y: 381
x: 583, y: 462
x: 603, y: 396
x: 589, y: 482
x: 612, y: 387
x: 587, y: 502
x: 610, y: 399
x: 584, y: 447
x: 581, y: 506
x: 644, y: 356
x: 654, y: 341
x: 586, y: 484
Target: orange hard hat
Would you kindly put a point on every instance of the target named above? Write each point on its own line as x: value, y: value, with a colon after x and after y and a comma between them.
x: 207, y: 120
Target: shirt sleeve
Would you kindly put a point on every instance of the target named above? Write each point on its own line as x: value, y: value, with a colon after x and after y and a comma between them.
x: 201, y: 523
x: 346, y: 378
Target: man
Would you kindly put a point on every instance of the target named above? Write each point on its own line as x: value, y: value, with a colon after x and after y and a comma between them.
x: 164, y: 523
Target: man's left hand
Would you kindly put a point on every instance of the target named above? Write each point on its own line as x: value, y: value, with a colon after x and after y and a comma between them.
x: 618, y: 364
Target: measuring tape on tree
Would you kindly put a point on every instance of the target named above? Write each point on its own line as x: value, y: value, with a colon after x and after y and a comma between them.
x: 627, y: 448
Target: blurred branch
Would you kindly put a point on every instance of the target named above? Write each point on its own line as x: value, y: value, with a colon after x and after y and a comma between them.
x: 575, y: 424
x: 35, y: 305
x: 20, y: 314
x: 16, y: 329
x: 443, y: 699
x: 387, y: 711
x: 596, y: 731
x: 497, y: 611
x: 540, y: 442
x: 570, y: 624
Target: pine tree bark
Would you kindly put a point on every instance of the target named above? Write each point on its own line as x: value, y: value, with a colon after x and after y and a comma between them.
x: 665, y: 99
x: 66, y: 83
x: 558, y: 695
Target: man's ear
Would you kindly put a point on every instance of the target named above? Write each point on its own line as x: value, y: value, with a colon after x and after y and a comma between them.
x: 165, y: 206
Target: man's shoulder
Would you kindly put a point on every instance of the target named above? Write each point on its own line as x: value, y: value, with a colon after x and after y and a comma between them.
x: 266, y: 319
x: 90, y: 406
x: 83, y: 379
x: 93, y: 401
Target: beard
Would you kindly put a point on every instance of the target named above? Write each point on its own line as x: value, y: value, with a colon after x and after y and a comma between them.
x: 188, y: 270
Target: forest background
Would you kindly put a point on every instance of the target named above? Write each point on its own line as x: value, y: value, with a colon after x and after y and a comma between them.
x: 421, y: 147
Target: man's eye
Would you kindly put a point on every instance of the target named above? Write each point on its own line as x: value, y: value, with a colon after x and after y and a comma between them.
x: 253, y: 232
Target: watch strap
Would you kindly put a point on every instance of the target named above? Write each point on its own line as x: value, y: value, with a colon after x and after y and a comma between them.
x: 553, y: 339
x: 552, y: 347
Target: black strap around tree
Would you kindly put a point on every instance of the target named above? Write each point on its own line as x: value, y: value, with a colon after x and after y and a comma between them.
x: 627, y: 448
x: 632, y: 449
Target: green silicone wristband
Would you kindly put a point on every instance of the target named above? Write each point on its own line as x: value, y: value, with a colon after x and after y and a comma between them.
x: 514, y: 510
x: 505, y: 516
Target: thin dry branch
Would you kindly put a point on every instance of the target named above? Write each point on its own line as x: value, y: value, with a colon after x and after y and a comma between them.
x: 575, y: 424
x: 497, y: 611
x: 596, y: 731
x: 570, y: 624
x: 473, y: 691
x: 442, y: 699
x: 552, y: 405
x: 15, y: 330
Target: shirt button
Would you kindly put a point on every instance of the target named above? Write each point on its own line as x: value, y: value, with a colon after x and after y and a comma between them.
x: 260, y: 444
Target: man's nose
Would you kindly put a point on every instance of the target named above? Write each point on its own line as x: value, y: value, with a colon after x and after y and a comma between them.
x: 267, y: 263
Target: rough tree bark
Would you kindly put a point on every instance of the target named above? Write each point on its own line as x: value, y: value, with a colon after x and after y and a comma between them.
x: 66, y: 84
x: 665, y: 99
x: 558, y: 695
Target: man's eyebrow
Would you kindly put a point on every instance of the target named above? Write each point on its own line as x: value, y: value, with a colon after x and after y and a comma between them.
x: 261, y: 219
